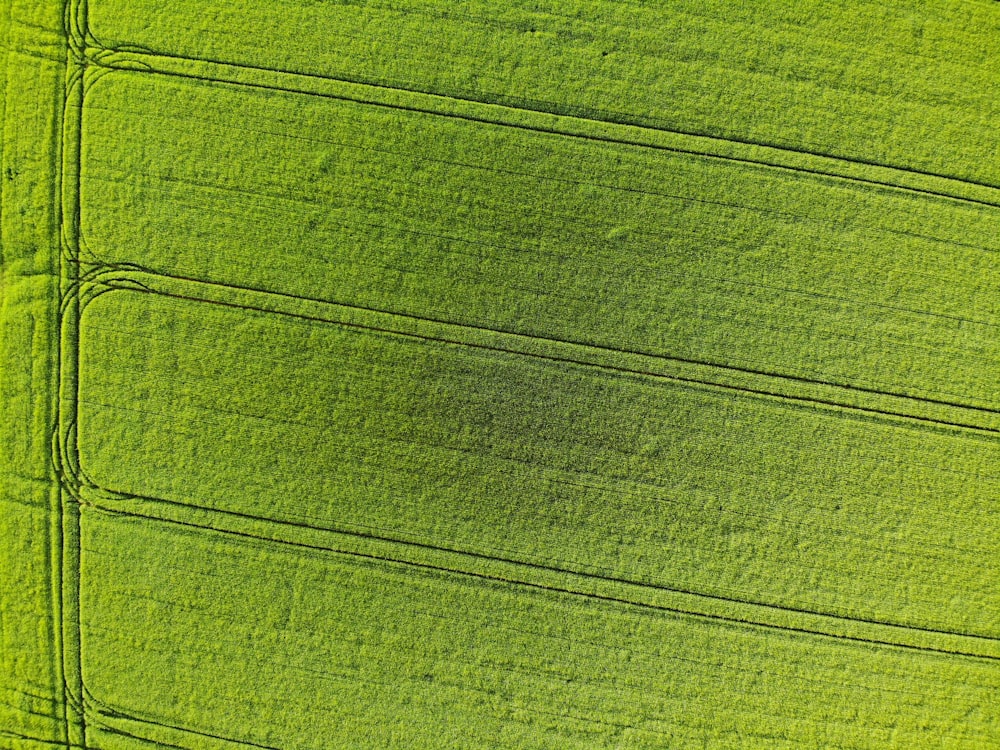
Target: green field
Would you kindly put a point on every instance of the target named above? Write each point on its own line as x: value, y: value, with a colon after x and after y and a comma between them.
x: 550, y: 374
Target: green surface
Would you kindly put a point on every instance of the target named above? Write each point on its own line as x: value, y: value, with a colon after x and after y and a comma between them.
x: 429, y: 659
x: 563, y: 374
x: 909, y: 84
x: 524, y: 458
x: 620, y: 246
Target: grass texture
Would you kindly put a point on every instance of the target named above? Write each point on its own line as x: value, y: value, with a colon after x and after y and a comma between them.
x: 551, y: 374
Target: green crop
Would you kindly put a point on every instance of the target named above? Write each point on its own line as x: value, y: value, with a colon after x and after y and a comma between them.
x: 479, y: 374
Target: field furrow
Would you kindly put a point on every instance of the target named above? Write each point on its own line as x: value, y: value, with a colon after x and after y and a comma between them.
x: 534, y: 460
x: 614, y: 245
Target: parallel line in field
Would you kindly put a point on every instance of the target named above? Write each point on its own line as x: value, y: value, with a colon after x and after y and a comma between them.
x: 686, y: 509
x: 105, y: 59
x: 107, y: 712
x: 28, y: 682
x: 585, y: 363
x: 557, y: 217
x: 54, y: 715
x: 539, y: 566
x: 509, y: 581
x: 600, y: 348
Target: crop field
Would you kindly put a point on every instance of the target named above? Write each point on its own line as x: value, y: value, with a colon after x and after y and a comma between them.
x: 474, y: 374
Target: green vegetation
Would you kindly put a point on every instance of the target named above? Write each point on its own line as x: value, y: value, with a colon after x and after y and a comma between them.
x: 549, y: 374
x: 346, y: 652
x: 909, y: 84
x: 549, y: 462
x: 602, y: 243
